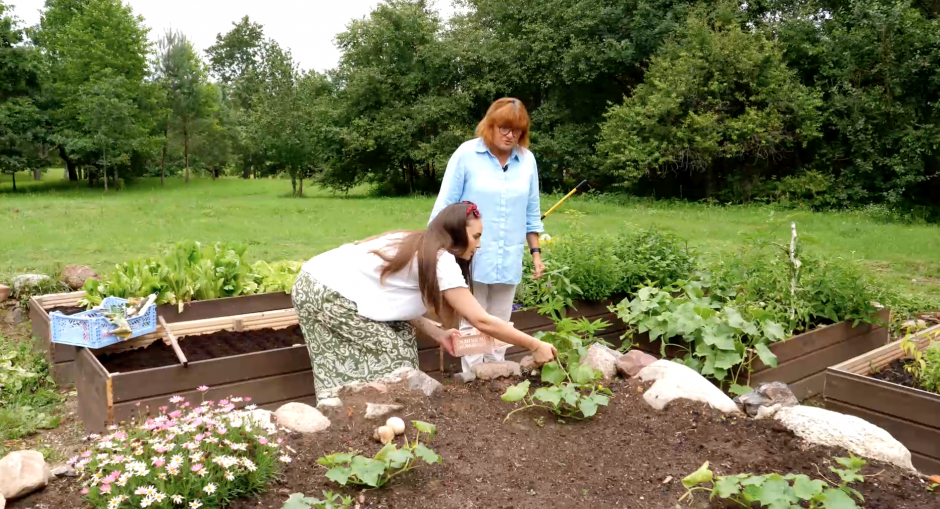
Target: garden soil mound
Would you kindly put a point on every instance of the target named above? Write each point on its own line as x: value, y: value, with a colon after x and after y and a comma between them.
x: 630, y: 456
x: 203, y: 347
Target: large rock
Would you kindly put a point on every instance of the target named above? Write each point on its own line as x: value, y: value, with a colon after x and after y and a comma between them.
x: 771, y: 395
x: 602, y: 359
x: 493, y: 370
x: 27, y: 283
x: 825, y: 427
x: 23, y: 472
x: 301, y: 417
x: 5, y: 292
x: 74, y: 276
x: 633, y: 362
x: 677, y: 381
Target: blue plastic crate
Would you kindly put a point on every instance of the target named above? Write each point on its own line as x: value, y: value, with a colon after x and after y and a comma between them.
x: 91, y: 329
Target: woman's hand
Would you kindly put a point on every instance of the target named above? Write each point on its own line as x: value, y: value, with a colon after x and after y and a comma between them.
x: 538, y: 268
x: 544, y: 352
x: 446, y: 339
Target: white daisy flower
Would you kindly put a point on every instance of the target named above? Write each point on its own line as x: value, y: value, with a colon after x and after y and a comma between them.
x: 195, y: 504
x: 209, y: 489
x: 284, y: 458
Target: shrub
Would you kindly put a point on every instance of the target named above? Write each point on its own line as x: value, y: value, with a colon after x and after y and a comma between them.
x: 191, y: 456
x: 652, y: 256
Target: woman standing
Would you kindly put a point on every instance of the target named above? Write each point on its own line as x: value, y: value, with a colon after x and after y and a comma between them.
x: 359, y: 305
x: 498, y: 172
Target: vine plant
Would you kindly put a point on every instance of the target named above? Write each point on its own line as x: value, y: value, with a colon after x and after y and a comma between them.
x: 776, y: 491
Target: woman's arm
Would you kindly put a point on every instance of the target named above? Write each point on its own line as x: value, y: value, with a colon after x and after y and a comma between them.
x: 451, y: 186
x: 533, y: 221
x: 467, y: 306
x: 431, y: 330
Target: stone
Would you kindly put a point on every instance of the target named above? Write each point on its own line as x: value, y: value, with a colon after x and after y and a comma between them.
x: 376, y: 410
x: 5, y: 292
x: 494, y: 370
x: 64, y: 471
x: 527, y: 364
x: 26, y: 282
x: 633, y: 361
x: 23, y: 472
x: 464, y: 378
x: 301, y: 417
x: 819, y: 426
x: 74, y: 276
x: 420, y: 381
x: 766, y: 395
x: 329, y: 403
x: 602, y: 359
x: 678, y: 381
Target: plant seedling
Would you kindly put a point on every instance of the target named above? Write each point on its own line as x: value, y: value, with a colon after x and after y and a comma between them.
x: 389, y: 462
x: 330, y: 501
x: 776, y: 491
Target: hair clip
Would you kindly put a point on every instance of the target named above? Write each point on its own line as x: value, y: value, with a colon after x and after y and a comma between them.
x: 472, y: 209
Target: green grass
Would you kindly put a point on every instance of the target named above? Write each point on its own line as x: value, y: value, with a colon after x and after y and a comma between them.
x: 28, y: 401
x: 24, y: 179
x: 56, y: 224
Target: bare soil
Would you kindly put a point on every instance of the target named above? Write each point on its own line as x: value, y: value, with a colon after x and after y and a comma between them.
x: 896, y: 374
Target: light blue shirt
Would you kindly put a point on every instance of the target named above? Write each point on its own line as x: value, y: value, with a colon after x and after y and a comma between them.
x: 508, y: 202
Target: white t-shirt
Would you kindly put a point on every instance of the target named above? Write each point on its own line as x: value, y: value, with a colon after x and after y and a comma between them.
x: 353, y: 271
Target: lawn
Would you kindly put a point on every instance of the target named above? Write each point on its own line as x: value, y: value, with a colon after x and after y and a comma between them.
x: 54, y: 224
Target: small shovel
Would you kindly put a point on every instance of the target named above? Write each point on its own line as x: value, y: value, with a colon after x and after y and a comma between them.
x: 583, y: 187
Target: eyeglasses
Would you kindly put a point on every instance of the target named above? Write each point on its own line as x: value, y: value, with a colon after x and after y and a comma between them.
x: 506, y: 130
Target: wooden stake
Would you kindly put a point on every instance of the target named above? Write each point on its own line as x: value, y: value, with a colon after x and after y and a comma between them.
x: 173, y: 342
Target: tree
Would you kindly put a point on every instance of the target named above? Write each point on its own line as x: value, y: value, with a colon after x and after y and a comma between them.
x: 80, y: 40
x: 181, y: 71
x: 20, y: 119
x: 715, y: 100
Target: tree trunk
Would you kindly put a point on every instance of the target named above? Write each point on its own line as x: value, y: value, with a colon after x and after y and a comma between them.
x: 117, y: 179
x: 105, y: 179
x: 91, y: 177
x: 293, y: 183
x: 69, y: 165
x: 301, y: 192
x: 37, y: 174
x: 166, y: 133
x: 246, y: 171
x: 14, y: 181
x: 186, y: 152
x: 215, y: 173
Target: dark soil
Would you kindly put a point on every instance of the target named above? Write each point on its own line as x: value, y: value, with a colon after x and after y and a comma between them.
x: 630, y: 456
x: 203, y: 347
x: 896, y: 374
x: 67, y: 310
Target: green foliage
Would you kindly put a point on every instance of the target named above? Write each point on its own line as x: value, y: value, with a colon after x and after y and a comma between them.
x: 571, y: 389
x: 717, y: 94
x: 718, y: 339
x: 550, y: 295
x: 27, y: 393
x: 776, y: 491
x: 592, y: 263
x: 330, y: 501
x: 388, y: 463
x: 652, y: 256
x: 192, y: 271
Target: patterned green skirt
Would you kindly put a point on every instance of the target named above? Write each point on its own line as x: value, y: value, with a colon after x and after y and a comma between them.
x: 345, y: 347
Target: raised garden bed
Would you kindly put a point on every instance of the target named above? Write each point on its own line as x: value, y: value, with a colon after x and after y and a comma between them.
x: 270, y: 366
x: 61, y: 357
x: 910, y: 414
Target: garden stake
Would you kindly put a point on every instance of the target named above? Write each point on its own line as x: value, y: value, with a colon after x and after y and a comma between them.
x: 172, y: 340
x: 582, y: 187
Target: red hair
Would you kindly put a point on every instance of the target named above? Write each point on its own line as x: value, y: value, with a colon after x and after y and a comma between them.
x: 506, y: 112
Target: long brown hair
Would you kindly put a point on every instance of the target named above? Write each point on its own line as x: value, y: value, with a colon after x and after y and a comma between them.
x: 448, y: 231
x: 505, y: 112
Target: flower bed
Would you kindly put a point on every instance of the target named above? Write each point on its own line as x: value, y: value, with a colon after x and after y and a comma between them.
x: 910, y: 414
x: 61, y: 357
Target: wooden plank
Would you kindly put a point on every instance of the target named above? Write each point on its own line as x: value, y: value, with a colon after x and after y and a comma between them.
x: 169, y: 380
x: 809, y: 386
x: 39, y: 319
x: 817, y: 361
x: 283, y: 387
x: 91, y: 381
x: 902, y: 402
x: 429, y: 360
x: 63, y: 373
x: 918, y: 439
x: 229, y: 306
x: 926, y: 464
x: 173, y: 343
x: 884, y: 355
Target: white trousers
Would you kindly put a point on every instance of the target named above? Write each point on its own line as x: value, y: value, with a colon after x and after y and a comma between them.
x: 497, y: 300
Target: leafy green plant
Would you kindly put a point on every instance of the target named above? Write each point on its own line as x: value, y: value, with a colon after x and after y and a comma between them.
x: 330, y: 501
x: 571, y: 390
x: 192, y: 271
x: 388, y: 463
x: 777, y: 491
x: 549, y: 295
x: 591, y: 260
x: 652, y: 256
x: 718, y: 340
x: 917, y: 364
x: 27, y: 393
